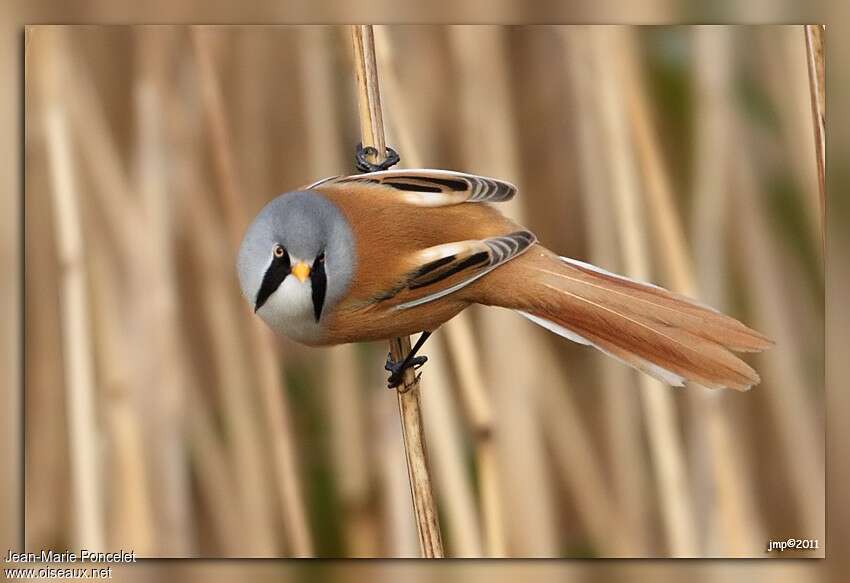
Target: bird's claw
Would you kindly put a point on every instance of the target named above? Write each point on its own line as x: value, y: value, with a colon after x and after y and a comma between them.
x: 397, y: 369
x: 364, y: 165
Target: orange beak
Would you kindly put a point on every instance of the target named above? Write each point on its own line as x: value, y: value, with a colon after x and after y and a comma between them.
x: 302, y: 271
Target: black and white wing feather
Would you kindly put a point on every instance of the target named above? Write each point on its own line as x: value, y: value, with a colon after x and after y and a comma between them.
x: 444, y: 269
x: 429, y: 188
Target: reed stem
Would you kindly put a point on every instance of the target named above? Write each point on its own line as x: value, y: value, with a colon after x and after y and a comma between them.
x: 730, y: 523
x: 658, y: 407
x: 80, y: 382
x: 275, y: 407
x: 458, y: 333
x: 372, y: 130
x: 815, y: 61
x: 489, y: 144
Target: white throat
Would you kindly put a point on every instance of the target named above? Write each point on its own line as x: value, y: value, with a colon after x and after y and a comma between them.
x: 289, y: 311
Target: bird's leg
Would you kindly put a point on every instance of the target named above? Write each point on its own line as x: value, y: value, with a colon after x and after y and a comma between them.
x: 411, y: 360
x: 365, y: 166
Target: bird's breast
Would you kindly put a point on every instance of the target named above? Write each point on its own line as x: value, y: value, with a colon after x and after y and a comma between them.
x: 289, y: 311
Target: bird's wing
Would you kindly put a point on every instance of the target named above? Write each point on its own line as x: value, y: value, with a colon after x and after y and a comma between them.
x: 444, y: 269
x: 425, y: 187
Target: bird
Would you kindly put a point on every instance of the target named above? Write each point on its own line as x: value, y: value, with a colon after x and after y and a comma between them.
x: 398, y: 252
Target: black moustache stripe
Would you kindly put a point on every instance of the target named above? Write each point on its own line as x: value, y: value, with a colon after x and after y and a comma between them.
x: 319, y: 285
x: 275, y: 274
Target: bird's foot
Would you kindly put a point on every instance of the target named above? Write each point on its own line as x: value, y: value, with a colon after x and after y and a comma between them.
x: 365, y: 166
x: 397, y: 369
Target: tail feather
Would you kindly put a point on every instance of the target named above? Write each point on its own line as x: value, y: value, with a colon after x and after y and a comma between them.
x: 658, y: 332
x: 674, y: 309
x: 649, y: 368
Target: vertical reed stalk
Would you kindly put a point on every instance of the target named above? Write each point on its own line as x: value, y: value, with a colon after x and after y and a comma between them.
x: 448, y: 456
x: 815, y: 60
x: 458, y: 333
x: 158, y: 313
x: 134, y: 226
x: 217, y: 486
x: 216, y: 490
x: 782, y: 69
x: 464, y: 523
x: 343, y: 397
x: 228, y: 365
x: 578, y: 467
x: 87, y: 491
x: 476, y: 401
x: 447, y: 447
x: 275, y: 405
x: 490, y: 145
x: 795, y: 407
x: 731, y: 501
x: 399, y: 535
x: 623, y: 429
x: 372, y: 130
x: 131, y: 516
x: 658, y: 406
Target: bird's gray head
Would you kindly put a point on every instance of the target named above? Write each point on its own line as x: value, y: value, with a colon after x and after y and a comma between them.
x: 296, y: 262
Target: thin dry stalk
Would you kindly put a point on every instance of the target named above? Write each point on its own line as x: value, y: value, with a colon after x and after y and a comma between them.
x: 347, y: 412
x: 87, y: 490
x: 451, y: 475
x: 489, y: 144
x: 256, y: 97
x: 131, y: 515
x: 160, y: 359
x: 128, y: 224
x: 457, y: 333
x: 209, y: 453
x: 476, y: 401
x: 231, y: 369
x: 372, y: 130
x: 741, y: 526
x: 521, y: 394
x: 817, y: 88
x: 627, y: 454
x: 525, y: 398
x: 782, y: 69
x: 214, y: 477
x: 12, y: 251
x: 579, y: 469
x: 659, y: 411
x: 98, y: 150
x: 795, y: 409
x: 228, y: 362
x: 344, y: 397
x: 449, y: 458
x: 275, y: 405
x: 47, y: 461
x: 131, y: 521
x: 398, y: 526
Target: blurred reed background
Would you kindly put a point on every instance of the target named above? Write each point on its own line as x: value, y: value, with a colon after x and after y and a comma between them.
x: 161, y: 416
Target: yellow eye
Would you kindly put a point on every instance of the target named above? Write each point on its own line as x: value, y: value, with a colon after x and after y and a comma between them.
x: 279, y: 251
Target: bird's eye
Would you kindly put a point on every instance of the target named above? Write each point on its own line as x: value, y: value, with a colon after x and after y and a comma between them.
x: 279, y: 251
x: 321, y: 257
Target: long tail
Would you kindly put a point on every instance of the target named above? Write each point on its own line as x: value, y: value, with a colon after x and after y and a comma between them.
x: 656, y: 331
